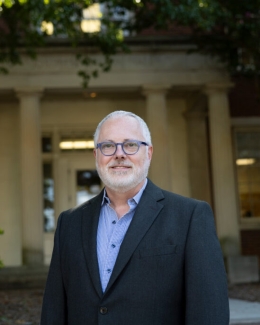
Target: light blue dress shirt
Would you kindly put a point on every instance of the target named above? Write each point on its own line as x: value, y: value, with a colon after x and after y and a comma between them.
x: 110, y: 234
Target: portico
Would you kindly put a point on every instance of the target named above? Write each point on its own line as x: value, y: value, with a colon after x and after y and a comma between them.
x: 44, y: 97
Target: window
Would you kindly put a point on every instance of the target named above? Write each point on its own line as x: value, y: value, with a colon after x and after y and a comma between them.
x: 88, y: 185
x: 48, y: 197
x: 91, y: 21
x: 76, y: 142
x: 46, y: 144
x: 248, y: 172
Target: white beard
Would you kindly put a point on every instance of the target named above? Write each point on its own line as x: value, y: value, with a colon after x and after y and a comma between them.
x: 123, y: 181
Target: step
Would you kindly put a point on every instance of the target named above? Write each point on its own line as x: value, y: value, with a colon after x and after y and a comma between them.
x: 23, y: 277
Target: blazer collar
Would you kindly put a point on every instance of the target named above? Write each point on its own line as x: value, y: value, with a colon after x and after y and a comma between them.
x: 90, y: 218
x: 146, y: 212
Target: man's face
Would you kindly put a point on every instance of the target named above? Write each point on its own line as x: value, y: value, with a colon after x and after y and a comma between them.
x: 122, y: 172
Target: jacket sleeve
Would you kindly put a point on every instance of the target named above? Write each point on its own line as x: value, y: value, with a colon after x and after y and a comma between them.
x: 54, y: 301
x: 205, y: 276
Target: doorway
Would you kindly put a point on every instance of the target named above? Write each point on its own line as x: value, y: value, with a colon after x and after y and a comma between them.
x: 75, y: 182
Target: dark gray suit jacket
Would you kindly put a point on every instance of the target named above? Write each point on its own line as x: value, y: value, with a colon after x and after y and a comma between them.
x: 169, y: 269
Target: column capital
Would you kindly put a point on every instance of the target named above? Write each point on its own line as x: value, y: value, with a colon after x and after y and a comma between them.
x: 217, y: 87
x: 155, y: 88
x: 29, y: 91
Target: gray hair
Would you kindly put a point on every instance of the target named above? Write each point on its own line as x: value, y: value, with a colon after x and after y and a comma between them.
x: 143, y: 125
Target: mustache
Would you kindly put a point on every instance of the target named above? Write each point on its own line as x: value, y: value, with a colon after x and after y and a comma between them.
x: 124, y: 164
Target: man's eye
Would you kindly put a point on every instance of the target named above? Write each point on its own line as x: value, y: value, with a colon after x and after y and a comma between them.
x: 108, y: 145
x: 131, y: 144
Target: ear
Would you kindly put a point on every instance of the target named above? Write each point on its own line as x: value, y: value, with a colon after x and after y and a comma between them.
x: 150, y: 152
x: 95, y: 153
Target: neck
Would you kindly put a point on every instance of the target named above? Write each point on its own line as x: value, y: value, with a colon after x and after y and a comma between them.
x: 119, y: 199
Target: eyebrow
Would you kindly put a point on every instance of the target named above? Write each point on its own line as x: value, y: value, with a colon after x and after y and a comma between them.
x: 109, y: 140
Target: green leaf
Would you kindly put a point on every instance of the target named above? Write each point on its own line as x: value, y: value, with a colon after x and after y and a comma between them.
x: 95, y: 73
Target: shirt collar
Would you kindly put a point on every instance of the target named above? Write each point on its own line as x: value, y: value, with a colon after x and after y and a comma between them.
x: 136, y: 198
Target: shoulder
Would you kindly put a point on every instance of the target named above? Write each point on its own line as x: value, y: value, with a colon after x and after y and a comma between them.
x: 187, y: 207
x: 87, y: 207
x: 73, y: 212
x: 173, y: 199
x: 183, y: 200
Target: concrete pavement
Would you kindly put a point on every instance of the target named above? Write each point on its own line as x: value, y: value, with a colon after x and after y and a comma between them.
x: 244, y: 312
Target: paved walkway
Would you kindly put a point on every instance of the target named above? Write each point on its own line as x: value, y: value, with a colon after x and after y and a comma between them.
x: 244, y: 312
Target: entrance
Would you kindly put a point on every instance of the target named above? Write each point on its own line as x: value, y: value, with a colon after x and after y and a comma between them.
x: 76, y: 181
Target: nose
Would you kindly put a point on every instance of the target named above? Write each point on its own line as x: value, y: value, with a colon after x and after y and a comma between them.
x: 119, y: 152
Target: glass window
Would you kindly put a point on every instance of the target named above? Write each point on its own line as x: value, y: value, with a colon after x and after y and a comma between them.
x: 91, y: 22
x: 48, y: 198
x: 91, y: 17
x: 248, y: 172
x: 76, y: 142
x: 46, y: 144
x: 88, y: 185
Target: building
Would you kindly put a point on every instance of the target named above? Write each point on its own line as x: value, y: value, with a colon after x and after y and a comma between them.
x: 47, y: 121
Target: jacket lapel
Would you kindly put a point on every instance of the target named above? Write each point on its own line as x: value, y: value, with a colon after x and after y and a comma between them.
x: 146, y: 212
x: 90, y: 217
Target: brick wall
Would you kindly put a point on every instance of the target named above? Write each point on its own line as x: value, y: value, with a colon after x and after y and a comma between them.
x: 244, y: 98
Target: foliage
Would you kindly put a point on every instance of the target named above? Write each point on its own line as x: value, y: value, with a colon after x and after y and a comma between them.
x: 228, y: 30
x: 21, y: 31
x: 1, y: 263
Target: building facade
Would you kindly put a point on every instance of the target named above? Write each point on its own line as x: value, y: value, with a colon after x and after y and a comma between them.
x: 46, y: 125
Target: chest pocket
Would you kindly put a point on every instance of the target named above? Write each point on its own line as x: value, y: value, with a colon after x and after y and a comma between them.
x: 157, y: 251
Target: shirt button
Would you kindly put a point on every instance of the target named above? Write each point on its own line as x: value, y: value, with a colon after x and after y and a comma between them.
x: 108, y: 270
x: 113, y: 245
x: 113, y: 222
x: 103, y: 310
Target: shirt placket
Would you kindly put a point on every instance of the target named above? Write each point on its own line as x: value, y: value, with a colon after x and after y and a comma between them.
x: 114, y: 246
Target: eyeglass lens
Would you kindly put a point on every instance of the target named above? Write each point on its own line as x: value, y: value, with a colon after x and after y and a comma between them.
x: 129, y: 147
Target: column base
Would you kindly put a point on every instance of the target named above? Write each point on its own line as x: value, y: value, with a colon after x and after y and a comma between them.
x: 32, y: 257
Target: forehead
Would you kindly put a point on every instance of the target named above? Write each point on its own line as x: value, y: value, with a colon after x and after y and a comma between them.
x: 121, y: 128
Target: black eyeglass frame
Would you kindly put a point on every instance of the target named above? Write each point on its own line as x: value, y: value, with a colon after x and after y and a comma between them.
x: 122, y: 146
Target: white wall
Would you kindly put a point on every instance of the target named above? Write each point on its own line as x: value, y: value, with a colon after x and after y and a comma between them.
x: 84, y: 113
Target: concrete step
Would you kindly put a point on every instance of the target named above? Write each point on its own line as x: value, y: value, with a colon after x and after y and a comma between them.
x: 23, y: 277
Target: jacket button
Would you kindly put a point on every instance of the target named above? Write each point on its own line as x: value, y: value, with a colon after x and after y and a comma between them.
x: 103, y: 310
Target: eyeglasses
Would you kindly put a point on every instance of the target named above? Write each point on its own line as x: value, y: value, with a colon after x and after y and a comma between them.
x: 129, y: 147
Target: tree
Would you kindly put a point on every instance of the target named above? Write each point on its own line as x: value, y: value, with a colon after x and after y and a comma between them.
x: 25, y: 27
x: 228, y: 30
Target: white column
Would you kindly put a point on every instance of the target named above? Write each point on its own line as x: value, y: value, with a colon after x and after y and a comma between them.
x: 178, y: 147
x: 156, y: 113
x: 31, y: 175
x: 198, y: 155
x: 10, y: 221
x: 224, y: 185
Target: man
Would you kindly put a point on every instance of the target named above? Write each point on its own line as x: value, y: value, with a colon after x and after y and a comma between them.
x: 135, y: 254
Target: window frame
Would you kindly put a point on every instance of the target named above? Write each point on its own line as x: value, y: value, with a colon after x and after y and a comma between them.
x: 244, y: 125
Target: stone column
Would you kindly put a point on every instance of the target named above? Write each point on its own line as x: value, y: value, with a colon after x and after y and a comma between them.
x: 198, y: 155
x: 224, y: 185
x: 31, y: 175
x: 157, y: 121
x: 178, y: 147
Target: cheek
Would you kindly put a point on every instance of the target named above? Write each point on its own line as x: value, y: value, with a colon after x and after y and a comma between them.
x: 102, y: 160
x: 141, y: 160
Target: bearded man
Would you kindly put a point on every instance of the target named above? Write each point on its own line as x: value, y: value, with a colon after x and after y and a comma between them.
x: 135, y: 254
